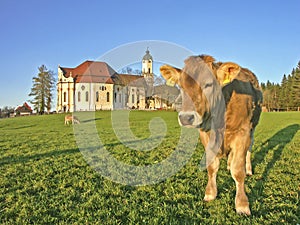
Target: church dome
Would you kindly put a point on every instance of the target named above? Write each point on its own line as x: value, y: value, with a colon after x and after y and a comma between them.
x: 147, y: 56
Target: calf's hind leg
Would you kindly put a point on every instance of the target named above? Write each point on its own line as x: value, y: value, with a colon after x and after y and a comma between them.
x: 248, y: 157
x: 248, y: 164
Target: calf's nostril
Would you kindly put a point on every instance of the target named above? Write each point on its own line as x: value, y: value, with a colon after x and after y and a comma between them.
x: 191, y: 118
x: 187, y: 119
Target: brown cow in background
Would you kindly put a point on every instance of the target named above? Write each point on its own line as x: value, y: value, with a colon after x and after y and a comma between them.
x: 224, y: 101
x: 72, y: 119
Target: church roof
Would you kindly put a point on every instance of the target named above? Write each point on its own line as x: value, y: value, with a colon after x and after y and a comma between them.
x: 147, y: 56
x: 101, y: 72
x: 126, y: 79
x: 90, y: 72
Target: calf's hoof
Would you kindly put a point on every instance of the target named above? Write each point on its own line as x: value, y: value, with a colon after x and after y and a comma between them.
x: 248, y: 170
x: 249, y: 173
x: 244, y: 210
x: 209, y: 197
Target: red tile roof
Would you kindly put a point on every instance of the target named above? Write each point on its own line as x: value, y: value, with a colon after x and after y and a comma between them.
x: 23, y: 108
x: 90, y: 72
x: 101, y: 72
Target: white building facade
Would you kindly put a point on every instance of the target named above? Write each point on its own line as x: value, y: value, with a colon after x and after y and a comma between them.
x: 94, y: 85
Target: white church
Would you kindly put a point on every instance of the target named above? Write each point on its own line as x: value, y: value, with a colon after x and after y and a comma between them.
x: 94, y: 85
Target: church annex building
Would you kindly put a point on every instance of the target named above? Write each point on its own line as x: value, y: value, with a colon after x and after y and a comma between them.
x: 94, y: 85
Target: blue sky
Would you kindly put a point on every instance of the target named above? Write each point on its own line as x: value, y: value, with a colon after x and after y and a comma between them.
x: 261, y: 35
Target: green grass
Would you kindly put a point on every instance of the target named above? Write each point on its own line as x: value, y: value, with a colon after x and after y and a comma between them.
x: 44, y: 178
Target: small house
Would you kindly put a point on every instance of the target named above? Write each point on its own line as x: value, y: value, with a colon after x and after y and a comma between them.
x: 23, y: 110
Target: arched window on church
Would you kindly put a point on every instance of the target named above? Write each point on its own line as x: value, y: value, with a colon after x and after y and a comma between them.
x: 86, y: 96
x: 107, y: 96
x: 97, y: 96
x: 65, y: 96
x: 79, y: 96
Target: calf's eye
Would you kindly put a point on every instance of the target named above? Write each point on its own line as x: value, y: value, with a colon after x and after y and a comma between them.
x: 207, y: 85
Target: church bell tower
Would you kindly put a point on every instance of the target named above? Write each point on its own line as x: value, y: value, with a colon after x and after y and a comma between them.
x: 147, y: 72
x: 147, y: 63
x: 147, y: 68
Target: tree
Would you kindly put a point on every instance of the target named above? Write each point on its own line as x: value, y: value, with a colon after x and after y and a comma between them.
x: 270, y: 95
x: 283, y: 93
x: 284, y: 96
x: 289, y: 96
x: 295, y: 87
x: 158, y: 80
x: 42, y: 89
x: 129, y: 70
x: 6, y: 111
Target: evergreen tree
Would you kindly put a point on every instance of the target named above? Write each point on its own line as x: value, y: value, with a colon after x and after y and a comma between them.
x: 283, y: 93
x: 276, y: 92
x: 289, y: 96
x: 284, y: 96
x: 295, y: 88
x: 271, y: 95
x: 42, y: 89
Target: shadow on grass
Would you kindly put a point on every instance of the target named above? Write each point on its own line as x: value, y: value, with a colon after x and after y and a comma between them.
x: 276, y: 144
x: 25, y: 158
x: 90, y: 120
x: 20, y: 127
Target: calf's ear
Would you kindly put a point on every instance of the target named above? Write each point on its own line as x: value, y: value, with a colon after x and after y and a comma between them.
x: 171, y: 74
x: 227, y: 72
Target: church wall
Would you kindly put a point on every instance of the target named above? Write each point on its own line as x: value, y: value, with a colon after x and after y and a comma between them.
x: 136, y: 97
x: 65, y: 100
x: 119, y: 97
x: 82, y: 97
x: 94, y: 96
x: 131, y: 98
x: 141, y: 98
x: 103, y: 94
x: 128, y: 97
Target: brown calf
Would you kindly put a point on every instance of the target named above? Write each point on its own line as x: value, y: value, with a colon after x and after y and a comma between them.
x: 223, y: 100
x: 72, y: 119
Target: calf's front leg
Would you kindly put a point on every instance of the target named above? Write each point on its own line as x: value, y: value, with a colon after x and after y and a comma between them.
x: 212, y: 166
x: 211, y: 188
x: 238, y: 173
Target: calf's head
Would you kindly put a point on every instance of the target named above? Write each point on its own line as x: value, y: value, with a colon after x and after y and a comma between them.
x: 200, y: 90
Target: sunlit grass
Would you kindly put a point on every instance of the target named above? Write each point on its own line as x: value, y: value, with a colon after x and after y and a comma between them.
x: 45, y: 179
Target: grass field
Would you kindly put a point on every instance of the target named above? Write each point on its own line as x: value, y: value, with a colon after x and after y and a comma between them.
x: 44, y: 178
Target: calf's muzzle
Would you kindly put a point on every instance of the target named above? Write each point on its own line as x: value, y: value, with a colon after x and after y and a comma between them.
x: 189, y: 119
